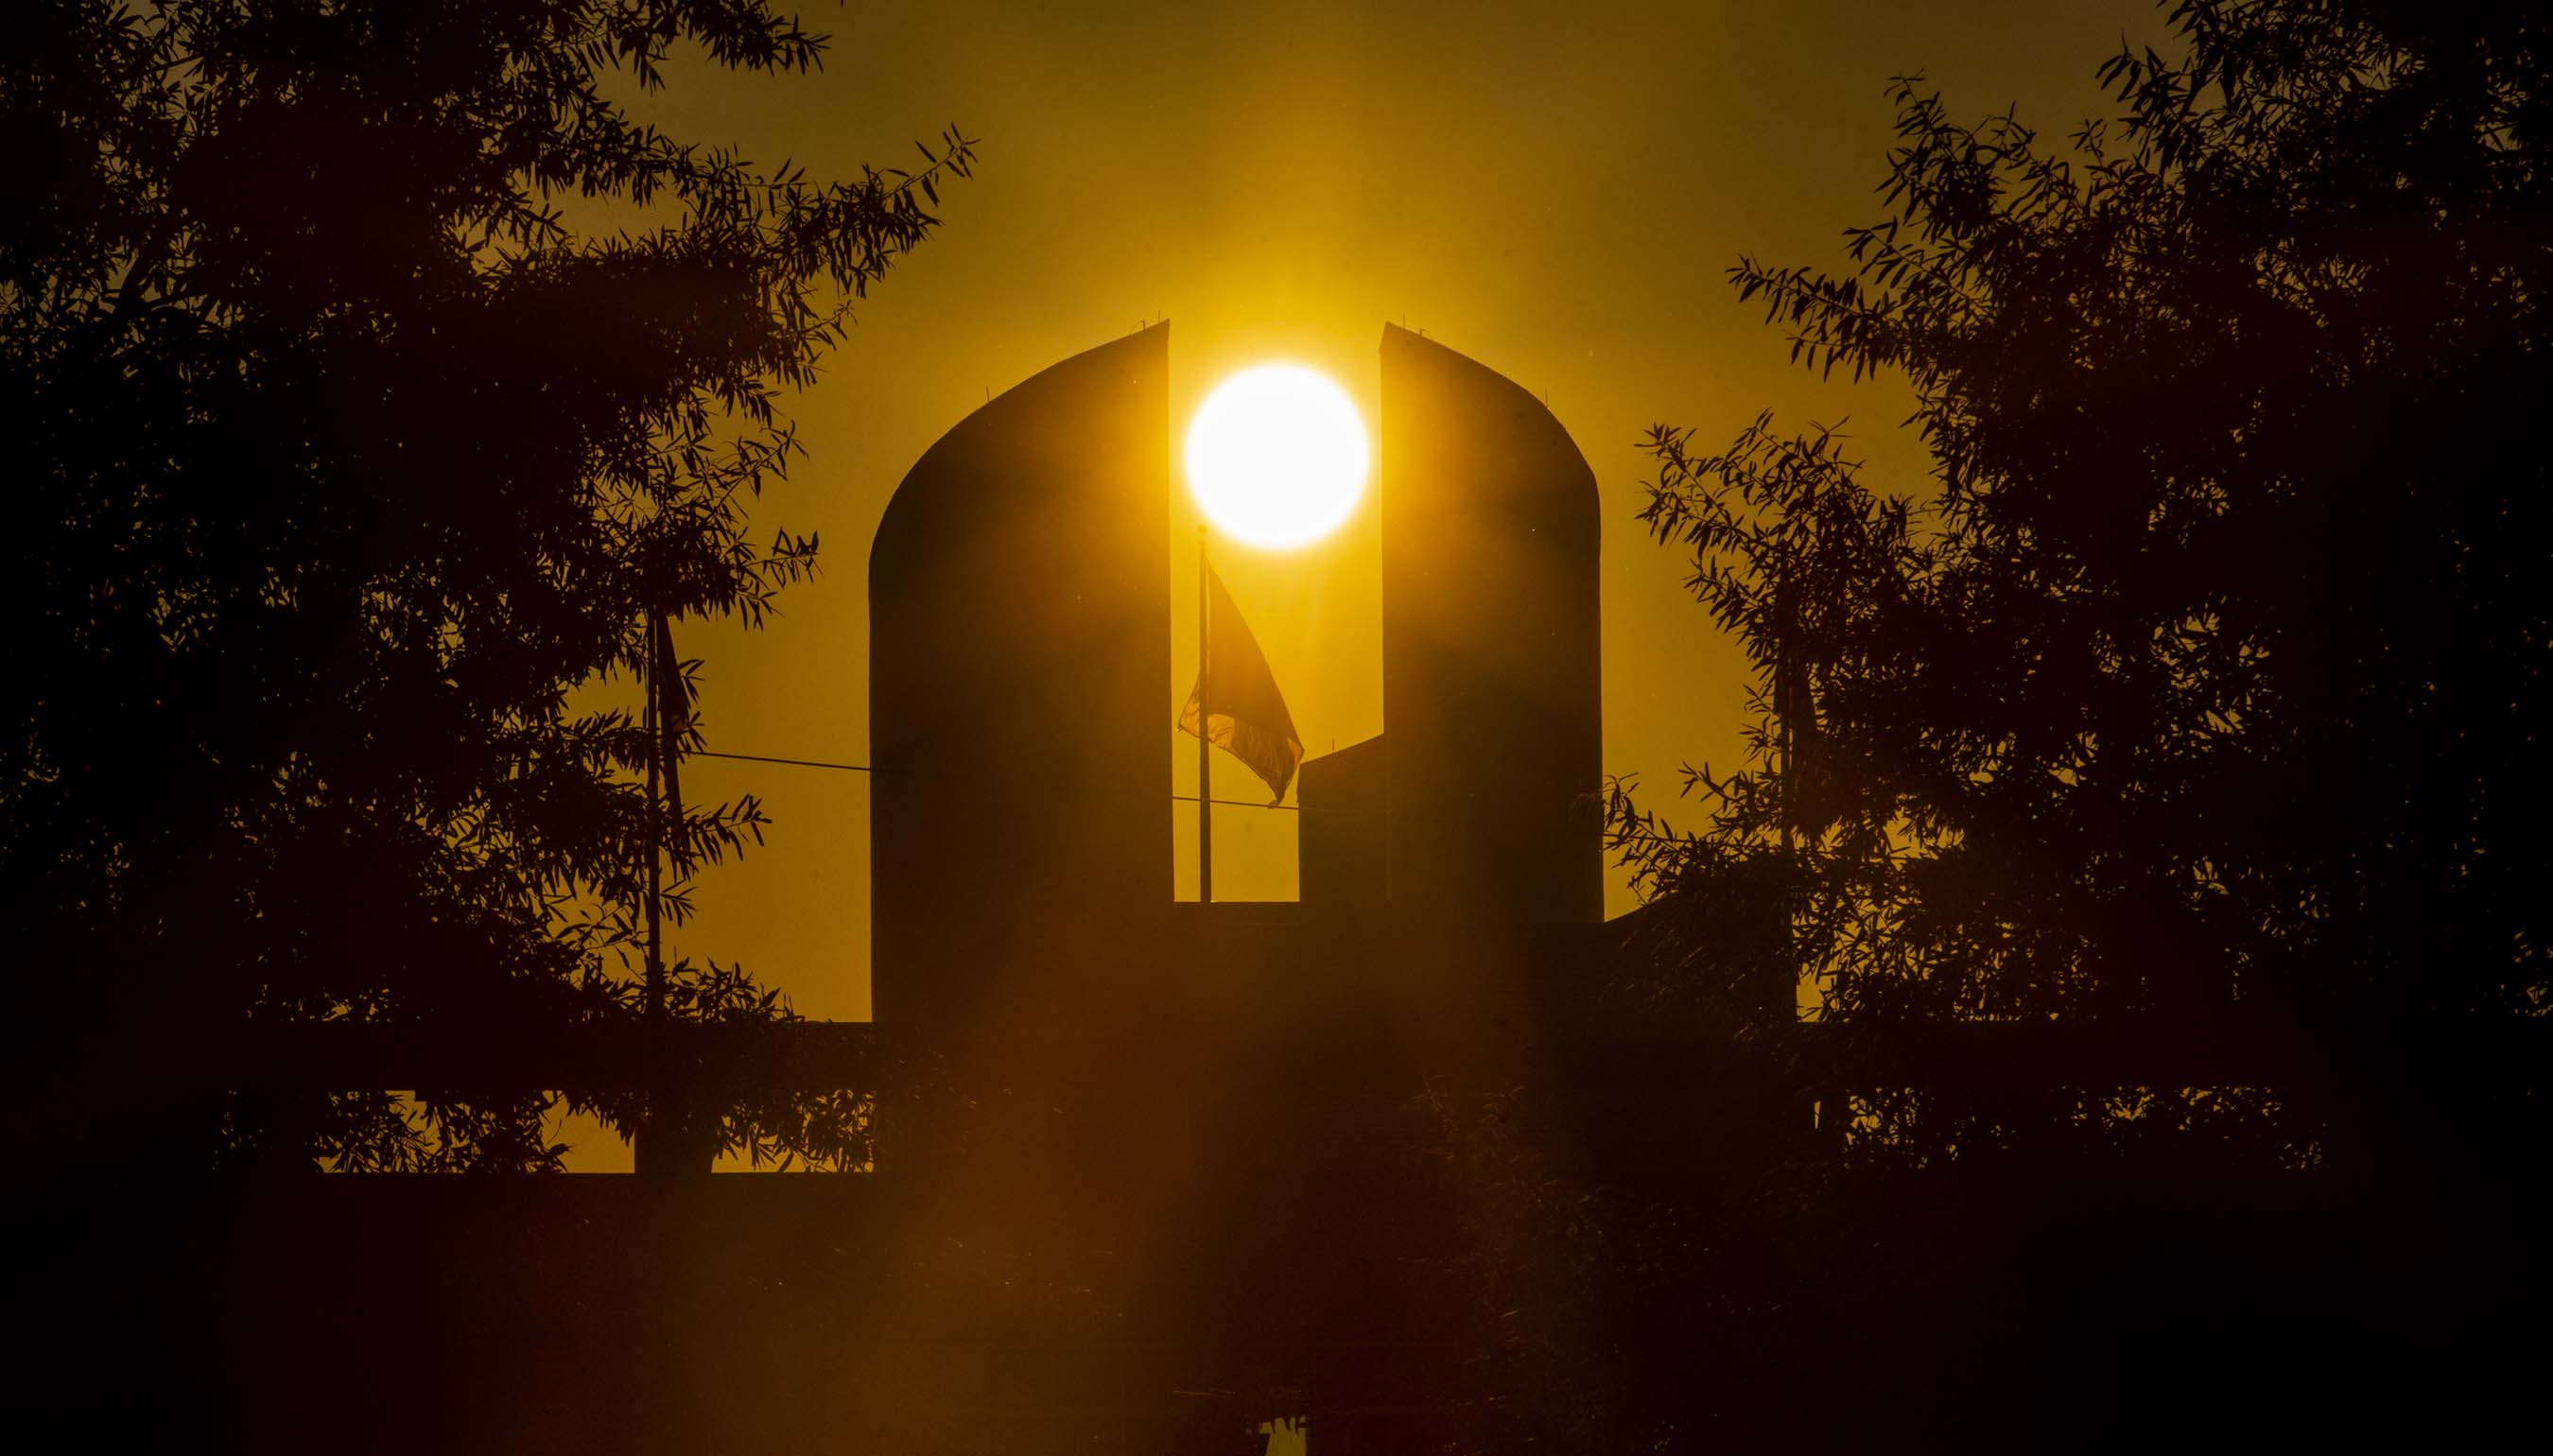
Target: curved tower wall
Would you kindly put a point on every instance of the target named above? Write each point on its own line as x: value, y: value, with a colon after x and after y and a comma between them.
x: 1490, y: 645
x: 1018, y: 661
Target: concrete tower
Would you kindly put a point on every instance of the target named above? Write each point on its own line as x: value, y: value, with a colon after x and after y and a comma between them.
x: 1019, y: 672
x: 1490, y: 645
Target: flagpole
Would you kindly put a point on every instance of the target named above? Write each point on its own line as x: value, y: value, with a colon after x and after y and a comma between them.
x: 1205, y: 747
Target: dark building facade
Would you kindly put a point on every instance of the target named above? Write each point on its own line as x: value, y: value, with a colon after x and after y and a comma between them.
x: 1490, y: 646
x: 1219, y: 1086
x: 1018, y: 661
x: 1346, y: 839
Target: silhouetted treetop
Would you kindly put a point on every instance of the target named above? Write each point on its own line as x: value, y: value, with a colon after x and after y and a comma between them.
x: 2209, y: 668
x: 344, y: 450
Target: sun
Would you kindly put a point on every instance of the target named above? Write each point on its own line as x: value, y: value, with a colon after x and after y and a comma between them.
x: 1277, y: 456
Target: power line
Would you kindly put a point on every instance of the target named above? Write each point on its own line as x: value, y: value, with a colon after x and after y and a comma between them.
x: 1242, y: 803
x: 865, y: 769
x: 765, y: 758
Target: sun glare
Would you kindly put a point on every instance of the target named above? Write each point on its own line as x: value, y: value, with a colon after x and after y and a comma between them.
x: 1277, y: 456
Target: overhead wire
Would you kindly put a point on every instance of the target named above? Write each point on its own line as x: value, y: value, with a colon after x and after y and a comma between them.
x: 866, y: 768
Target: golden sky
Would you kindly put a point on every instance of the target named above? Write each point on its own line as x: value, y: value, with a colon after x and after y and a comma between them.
x: 1553, y: 189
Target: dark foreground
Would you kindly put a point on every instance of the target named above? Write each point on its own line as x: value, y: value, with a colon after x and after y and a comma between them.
x: 2009, y: 1302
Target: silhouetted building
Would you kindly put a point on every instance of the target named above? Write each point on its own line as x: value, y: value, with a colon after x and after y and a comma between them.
x: 1345, y: 843
x: 1019, y: 628
x: 1490, y: 644
x: 1019, y: 664
x: 1118, y: 1061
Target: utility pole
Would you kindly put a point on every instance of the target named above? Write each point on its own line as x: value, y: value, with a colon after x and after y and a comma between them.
x: 654, y: 1003
x: 648, y: 1145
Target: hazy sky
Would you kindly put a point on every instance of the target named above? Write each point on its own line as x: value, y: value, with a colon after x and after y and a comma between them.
x: 1555, y: 190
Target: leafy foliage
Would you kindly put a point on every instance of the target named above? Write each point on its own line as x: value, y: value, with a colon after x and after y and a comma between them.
x: 2209, y: 668
x: 342, y: 455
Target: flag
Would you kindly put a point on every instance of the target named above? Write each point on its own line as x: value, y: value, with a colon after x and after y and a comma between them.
x: 1236, y: 705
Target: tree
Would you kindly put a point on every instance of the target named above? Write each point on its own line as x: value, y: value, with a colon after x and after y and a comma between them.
x: 341, y: 456
x: 2203, y: 680
x: 2208, y: 670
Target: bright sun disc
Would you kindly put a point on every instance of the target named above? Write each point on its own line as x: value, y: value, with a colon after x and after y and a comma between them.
x: 1277, y: 456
